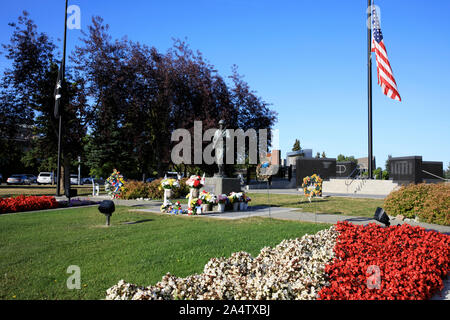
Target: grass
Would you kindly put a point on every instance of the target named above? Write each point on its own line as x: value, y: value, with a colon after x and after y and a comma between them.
x: 334, y: 205
x: 43, y: 190
x: 36, y: 248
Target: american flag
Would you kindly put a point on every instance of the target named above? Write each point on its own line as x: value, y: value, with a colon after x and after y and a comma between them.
x: 385, y: 75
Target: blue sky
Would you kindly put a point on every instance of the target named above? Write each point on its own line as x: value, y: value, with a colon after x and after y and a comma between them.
x: 306, y: 57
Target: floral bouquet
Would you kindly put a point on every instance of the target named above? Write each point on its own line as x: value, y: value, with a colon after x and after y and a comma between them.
x: 246, y: 198
x: 221, y: 202
x: 169, y: 184
x: 235, y: 197
x: 212, y: 199
x: 114, y: 185
x: 195, y: 205
x: 207, y: 197
x: 195, y: 202
x: 177, y: 205
x: 166, y: 208
x: 177, y: 209
x: 222, y: 199
x: 236, y: 200
x: 195, y: 182
x: 204, y: 195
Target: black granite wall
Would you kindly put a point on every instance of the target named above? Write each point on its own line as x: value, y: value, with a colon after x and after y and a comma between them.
x: 434, y: 167
x: 409, y: 169
x: 323, y: 167
x: 345, y: 168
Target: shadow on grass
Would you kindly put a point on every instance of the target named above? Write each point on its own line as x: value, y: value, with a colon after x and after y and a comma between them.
x: 360, y: 219
x: 307, y: 201
x: 336, y: 213
x: 137, y: 222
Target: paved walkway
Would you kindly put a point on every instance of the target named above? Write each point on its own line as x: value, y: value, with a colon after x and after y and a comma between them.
x: 296, y: 192
x: 293, y: 214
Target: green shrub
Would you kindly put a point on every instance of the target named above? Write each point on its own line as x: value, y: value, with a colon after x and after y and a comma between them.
x: 436, y: 208
x: 183, y: 190
x: 134, y: 190
x: 152, y: 190
x: 430, y: 202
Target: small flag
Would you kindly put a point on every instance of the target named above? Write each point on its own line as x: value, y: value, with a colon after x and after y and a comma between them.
x: 58, y: 93
x: 385, y: 75
x: 202, y: 181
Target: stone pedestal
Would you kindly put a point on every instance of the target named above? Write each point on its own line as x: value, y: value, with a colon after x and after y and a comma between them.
x: 167, y: 196
x: 219, y: 185
x: 193, y: 193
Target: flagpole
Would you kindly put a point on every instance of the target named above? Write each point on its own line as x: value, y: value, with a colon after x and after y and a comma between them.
x: 369, y: 86
x: 63, y: 69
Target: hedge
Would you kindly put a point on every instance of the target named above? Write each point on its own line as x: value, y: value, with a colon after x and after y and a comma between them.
x: 151, y: 190
x: 429, y: 202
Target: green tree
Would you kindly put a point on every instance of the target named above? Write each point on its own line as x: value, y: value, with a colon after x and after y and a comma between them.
x: 341, y: 158
x: 324, y: 155
x: 31, y: 80
x: 447, y: 172
x: 139, y: 96
x: 378, y: 172
x: 388, y: 169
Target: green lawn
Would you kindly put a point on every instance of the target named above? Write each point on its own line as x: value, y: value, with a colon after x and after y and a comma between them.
x: 37, y: 248
x: 43, y: 190
x: 334, y: 205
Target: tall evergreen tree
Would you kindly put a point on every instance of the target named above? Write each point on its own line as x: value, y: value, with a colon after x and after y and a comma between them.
x: 31, y: 80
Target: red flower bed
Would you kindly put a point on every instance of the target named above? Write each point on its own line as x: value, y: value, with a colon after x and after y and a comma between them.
x: 23, y: 203
x: 411, y: 263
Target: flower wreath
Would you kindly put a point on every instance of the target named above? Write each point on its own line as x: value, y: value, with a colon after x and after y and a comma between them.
x: 259, y: 172
x: 114, y: 185
x: 312, y: 186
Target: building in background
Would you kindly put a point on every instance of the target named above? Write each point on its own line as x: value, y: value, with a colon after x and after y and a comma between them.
x: 291, y: 157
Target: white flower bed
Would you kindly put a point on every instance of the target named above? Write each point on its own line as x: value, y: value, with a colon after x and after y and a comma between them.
x: 294, y: 269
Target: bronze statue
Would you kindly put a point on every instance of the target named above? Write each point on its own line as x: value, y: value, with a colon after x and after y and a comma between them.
x: 220, y: 148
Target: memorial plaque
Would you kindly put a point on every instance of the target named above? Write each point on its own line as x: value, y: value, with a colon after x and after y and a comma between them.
x: 218, y: 185
x: 323, y: 167
x: 210, y: 188
x: 345, y: 168
x: 406, y: 169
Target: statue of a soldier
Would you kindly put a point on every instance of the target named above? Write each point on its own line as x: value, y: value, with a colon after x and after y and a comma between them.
x: 220, y: 147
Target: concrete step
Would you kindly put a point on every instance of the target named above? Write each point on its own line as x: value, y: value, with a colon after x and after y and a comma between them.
x: 359, y: 186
